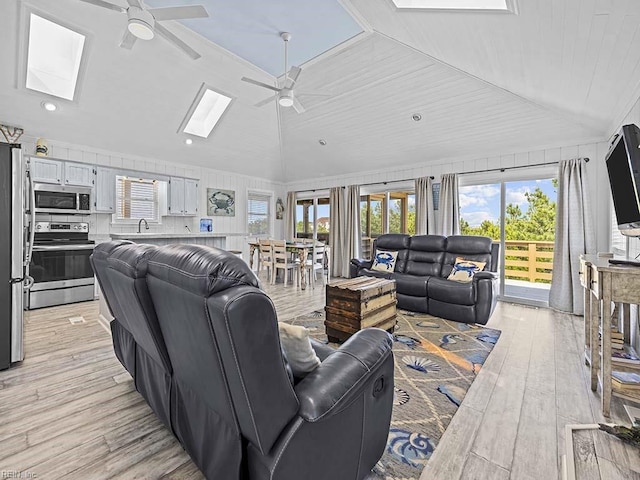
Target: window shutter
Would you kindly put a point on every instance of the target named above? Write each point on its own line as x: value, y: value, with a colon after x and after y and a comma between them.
x: 136, y: 199
x: 258, y: 214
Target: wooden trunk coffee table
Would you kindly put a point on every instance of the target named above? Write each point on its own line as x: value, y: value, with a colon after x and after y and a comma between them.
x: 358, y: 303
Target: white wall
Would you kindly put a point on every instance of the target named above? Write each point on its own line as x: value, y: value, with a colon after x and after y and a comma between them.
x: 597, y: 175
x: 101, y: 226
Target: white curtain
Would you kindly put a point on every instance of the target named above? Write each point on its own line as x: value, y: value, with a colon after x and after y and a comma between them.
x: 425, y: 215
x: 449, y: 206
x: 290, y: 217
x: 351, y: 245
x: 574, y: 236
x: 336, y: 203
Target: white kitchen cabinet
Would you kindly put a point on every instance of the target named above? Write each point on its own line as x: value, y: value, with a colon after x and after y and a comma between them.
x: 79, y: 174
x: 176, y: 196
x: 190, y: 197
x: 46, y: 170
x: 183, y: 196
x: 105, y: 191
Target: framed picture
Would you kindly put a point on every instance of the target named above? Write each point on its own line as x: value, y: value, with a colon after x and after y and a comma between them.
x: 221, y: 202
x: 279, y: 209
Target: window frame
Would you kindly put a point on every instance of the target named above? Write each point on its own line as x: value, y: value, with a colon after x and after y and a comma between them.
x: 271, y: 209
x: 23, y: 51
x: 115, y: 219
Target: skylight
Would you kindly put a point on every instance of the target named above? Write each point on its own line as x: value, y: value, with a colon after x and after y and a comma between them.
x: 54, y: 56
x: 208, y: 111
x: 486, y: 5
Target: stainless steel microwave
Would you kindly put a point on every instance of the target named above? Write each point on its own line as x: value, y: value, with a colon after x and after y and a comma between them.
x: 58, y: 199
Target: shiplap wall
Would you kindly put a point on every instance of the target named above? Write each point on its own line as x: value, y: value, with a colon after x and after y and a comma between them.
x: 101, y: 226
x: 597, y: 176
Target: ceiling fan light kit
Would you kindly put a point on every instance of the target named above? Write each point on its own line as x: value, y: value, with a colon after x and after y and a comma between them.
x: 286, y: 99
x: 140, y: 29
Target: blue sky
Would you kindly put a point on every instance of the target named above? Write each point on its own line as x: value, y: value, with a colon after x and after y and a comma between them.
x: 482, y: 202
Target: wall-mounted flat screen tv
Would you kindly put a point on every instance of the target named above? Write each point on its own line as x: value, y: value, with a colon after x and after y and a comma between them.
x: 623, y: 164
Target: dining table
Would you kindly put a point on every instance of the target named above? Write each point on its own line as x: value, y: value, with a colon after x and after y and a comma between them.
x: 302, y: 249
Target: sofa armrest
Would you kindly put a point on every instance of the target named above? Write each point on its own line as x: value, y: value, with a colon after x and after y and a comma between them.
x: 345, y: 374
x: 357, y: 264
x: 486, y: 287
x: 322, y: 349
x: 485, y: 275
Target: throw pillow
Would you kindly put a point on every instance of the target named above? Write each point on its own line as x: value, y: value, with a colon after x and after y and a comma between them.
x: 297, y: 348
x: 464, y: 270
x: 384, y: 261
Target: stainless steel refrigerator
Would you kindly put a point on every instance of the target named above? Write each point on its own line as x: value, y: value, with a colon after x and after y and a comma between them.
x: 14, y: 253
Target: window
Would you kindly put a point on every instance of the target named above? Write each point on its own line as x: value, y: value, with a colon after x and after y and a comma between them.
x: 206, y: 112
x: 387, y: 212
x: 259, y: 214
x: 53, y: 60
x: 137, y: 198
x: 478, y: 5
x: 312, y: 211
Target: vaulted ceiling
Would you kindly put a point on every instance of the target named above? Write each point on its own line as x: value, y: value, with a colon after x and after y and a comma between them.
x: 560, y: 72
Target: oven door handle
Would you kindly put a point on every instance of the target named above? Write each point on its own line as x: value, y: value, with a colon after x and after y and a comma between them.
x: 41, y: 248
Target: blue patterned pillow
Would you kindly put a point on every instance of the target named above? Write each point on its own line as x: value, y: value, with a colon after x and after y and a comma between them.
x: 384, y: 261
x: 464, y: 270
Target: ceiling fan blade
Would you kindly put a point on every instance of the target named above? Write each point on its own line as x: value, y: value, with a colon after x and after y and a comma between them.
x: 128, y: 40
x: 293, y: 75
x: 315, y: 94
x: 178, y: 13
x: 176, y: 41
x: 264, y: 102
x: 297, y: 106
x: 260, y: 84
x: 134, y: 3
x: 101, y: 3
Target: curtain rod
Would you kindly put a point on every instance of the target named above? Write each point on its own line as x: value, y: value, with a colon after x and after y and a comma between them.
x: 365, y: 184
x: 500, y: 169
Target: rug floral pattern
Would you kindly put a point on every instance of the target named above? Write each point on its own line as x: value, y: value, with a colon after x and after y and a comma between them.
x: 436, y: 361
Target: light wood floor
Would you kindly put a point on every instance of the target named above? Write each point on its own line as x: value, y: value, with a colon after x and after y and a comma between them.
x: 70, y: 409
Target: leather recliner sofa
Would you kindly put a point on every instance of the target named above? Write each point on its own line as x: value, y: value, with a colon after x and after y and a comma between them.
x: 201, y: 341
x: 423, y: 264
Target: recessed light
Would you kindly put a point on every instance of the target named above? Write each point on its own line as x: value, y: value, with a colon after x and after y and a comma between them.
x: 49, y: 106
x: 322, y: 142
x: 188, y: 141
x: 416, y: 117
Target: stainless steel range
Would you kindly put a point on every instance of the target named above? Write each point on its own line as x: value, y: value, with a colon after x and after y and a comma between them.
x: 60, y: 264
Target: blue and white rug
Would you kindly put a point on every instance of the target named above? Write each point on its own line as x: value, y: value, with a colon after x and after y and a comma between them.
x: 436, y: 361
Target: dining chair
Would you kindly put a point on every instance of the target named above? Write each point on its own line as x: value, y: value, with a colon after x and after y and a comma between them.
x: 315, y: 263
x: 265, y: 259
x: 281, y: 260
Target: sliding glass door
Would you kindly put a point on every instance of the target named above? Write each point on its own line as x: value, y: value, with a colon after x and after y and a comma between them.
x: 313, y: 218
x: 520, y: 214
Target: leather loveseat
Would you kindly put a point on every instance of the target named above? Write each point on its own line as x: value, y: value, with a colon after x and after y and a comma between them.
x: 423, y: 264
x: 200, y: 340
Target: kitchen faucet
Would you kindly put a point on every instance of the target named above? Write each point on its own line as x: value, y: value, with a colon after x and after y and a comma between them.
x: 146, y: 225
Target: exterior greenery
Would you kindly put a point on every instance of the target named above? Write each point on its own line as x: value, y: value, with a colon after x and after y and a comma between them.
x: 536, y: 223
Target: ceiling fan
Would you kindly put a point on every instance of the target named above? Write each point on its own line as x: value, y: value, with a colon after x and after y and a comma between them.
x: 285, y: 94
x: 144, y: 22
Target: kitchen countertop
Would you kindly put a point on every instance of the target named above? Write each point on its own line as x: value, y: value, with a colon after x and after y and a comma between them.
x: 133, y: 236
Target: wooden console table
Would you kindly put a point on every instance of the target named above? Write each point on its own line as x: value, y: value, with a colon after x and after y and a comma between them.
x: 605, y: 284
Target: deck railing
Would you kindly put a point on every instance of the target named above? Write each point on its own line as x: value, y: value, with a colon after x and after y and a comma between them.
x: 527, y: 260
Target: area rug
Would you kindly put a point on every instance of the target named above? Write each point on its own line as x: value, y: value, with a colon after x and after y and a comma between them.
x: 436, y: 361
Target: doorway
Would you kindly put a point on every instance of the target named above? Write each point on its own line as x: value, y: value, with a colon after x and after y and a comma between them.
x: 520, y: 214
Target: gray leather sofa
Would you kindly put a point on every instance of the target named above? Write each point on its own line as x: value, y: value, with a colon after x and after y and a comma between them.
x: 425, y: 261
x: 201, y: 341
